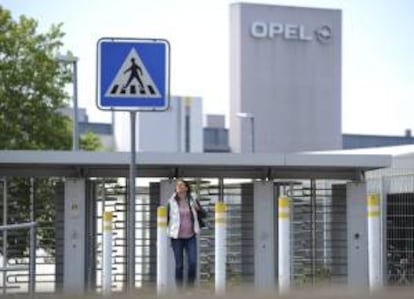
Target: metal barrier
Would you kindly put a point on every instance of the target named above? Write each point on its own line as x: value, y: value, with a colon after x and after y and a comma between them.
x: 318, y: 232
x: 319, y: 239
x: 396, y: 189
x: 4, y: 229
x: 400, y: 238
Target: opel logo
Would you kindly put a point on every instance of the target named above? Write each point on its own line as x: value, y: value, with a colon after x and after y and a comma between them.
x: 323, y: 34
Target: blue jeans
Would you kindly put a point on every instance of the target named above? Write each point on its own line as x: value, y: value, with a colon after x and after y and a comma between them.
x: 190, y: 247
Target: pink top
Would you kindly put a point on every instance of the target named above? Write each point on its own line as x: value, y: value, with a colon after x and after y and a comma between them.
x: 186, y: 224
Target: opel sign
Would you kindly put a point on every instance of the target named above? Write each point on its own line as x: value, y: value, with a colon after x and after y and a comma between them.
x: 272, y: 30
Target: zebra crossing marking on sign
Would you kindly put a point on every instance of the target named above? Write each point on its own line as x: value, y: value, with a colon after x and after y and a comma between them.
x: 133, y: 74
x: 132, y: 79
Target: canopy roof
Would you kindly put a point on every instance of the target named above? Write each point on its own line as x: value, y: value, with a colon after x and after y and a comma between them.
x: 329, y: 165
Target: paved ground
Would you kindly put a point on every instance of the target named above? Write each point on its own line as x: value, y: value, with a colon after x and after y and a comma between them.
x: 244, y: 293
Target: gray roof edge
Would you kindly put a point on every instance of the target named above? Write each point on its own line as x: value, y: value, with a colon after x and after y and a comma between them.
x: 357, y: 161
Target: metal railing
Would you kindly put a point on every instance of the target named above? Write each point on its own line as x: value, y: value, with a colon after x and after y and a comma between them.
x: 32, y: 261
x: 4, y: 229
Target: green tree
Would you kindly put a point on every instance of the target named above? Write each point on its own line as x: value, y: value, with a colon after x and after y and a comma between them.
x: 32, y: 90
x: 31, y: 86
x: 90, y: 142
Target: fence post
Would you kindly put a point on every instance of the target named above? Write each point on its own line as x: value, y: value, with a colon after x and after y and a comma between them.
x: 107, y: 254
x: 162, y: 251
x: 220, y: 247
x: 284, y: 209
x: 374, y: 241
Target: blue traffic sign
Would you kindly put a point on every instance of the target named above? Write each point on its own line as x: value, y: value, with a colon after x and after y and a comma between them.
x: 133, y: 74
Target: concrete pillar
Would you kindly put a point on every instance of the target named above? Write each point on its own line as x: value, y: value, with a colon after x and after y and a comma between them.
x: 74, y: 237
x: 162, y: 251
x: 167, y: 188
x: 264, y: 235
x: 357, y: 235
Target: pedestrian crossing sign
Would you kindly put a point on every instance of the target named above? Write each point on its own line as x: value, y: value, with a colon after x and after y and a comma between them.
x: 133, y: 74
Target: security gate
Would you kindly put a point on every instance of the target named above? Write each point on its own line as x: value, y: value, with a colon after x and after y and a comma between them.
x: 231, y: 195
x: 112, y: 196
x: 319, y: 233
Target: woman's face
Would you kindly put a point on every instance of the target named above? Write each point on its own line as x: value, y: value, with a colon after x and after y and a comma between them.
x: 180, y: 187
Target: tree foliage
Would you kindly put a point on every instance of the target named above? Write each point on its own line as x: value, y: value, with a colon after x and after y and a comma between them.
x: 90, y: 142
x: 31, y: 86
x: 32, y: 90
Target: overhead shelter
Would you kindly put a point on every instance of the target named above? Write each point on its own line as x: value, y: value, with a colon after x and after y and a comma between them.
x: 255, y: 166
x: 264, y: 169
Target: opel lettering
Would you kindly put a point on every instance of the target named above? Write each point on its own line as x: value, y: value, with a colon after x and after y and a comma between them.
x: 273, y: 30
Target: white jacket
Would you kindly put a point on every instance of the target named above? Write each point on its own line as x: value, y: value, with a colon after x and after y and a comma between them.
x: 173, y: 227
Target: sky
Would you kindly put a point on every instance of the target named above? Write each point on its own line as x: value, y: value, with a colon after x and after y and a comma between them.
x: 377, y: 53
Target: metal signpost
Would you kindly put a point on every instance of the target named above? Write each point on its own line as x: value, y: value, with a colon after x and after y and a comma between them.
x: 132, y: 75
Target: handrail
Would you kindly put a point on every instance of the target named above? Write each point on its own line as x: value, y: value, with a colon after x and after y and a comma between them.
x: 14, y: 268
x: 17, y: 226
x: 31, y: 266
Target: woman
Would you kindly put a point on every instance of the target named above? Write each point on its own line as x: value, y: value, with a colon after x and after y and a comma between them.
x: 183, y: 225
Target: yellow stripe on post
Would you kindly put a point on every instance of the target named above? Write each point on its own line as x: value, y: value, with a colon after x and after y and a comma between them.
x: 162, y: 211
x: 373, y: 199
x: 162, y: 216
x: 162, y: 223
x: 284, y: 202
x: 373, y: 213
x: 220, y: 207
x: 107, y: 216
x: 283, y: 215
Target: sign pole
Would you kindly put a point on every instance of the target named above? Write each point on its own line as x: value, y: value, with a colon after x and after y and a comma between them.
x: 131, y: 209
x: 132, y: 75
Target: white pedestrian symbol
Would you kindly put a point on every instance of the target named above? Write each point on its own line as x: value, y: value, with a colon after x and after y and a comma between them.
x: 133, y: 80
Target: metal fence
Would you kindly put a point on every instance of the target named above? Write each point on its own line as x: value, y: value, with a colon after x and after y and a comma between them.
x: 319, y: 235
x: 27, y: 236
x: 396, y: 187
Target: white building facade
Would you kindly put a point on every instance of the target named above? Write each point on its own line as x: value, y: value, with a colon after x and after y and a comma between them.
x: 286, y: 74
x: 178, y: 129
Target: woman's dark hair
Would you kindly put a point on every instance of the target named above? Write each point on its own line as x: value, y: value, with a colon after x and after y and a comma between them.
x: 187, y: 184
